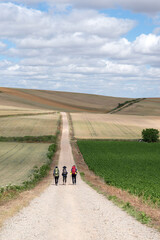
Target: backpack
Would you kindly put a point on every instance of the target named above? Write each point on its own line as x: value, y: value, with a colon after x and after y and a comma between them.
x: 73, y: 170
x: 56, y: 172
x: 64, y: 171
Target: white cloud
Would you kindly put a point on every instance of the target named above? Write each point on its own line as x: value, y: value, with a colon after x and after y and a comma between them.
x: 147, y: 44
x: 83, y: 49
x: 14, y: 67
x: 25, y: 22
x: 144, y: 6
x: 2, y: 45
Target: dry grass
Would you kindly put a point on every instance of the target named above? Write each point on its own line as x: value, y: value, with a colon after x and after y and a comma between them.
x: 29, y: 125
x: 18, y: 159
x: 111, y: 126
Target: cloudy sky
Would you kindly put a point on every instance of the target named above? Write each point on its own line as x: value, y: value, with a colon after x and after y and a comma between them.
x: 107, y: 47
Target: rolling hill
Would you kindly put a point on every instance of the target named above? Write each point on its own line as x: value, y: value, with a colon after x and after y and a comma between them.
x: 30, y: 99
x: 54, y: 100
x: 146, y: 107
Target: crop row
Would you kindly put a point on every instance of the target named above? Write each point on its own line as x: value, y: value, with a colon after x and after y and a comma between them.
x: 131, y: 166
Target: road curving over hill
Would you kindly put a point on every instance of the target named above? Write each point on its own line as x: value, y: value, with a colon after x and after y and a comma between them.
x: 73, y: 212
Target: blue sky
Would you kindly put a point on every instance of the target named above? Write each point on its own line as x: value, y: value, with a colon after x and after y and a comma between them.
x: 145, y: 23
x: 110, y: 48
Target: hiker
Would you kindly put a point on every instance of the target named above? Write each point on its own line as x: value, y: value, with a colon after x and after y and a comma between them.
x: 74, y: 174
x: 64, y: 174
x: 56, y: 175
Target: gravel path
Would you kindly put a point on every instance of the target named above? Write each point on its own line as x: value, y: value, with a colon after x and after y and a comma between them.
x: 73, y: 212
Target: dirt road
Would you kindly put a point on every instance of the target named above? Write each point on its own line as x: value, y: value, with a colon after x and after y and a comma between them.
x: 73, y: 212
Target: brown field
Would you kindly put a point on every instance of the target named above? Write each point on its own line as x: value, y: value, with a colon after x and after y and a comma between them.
x: 147, y: 107
x: 61, y: 101
x: 37, y: 125
x: 111, y: 126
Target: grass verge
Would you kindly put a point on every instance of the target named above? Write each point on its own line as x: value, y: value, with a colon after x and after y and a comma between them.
x: 126, y: 206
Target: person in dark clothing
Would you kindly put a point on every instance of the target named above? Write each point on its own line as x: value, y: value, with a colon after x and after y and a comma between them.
x: 74, y: 174
x: 64, y: 174
x: 56, y: 175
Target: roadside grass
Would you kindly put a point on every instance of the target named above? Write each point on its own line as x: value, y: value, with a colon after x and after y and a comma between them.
x: 126, y: 206
x: 130, y: 166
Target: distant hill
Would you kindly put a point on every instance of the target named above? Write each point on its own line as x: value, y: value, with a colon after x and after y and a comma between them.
x: 77, y: 102
x: 61, y: 101
x: 146, y: 107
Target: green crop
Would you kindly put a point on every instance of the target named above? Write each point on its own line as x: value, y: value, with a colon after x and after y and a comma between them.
x: 131, y: 166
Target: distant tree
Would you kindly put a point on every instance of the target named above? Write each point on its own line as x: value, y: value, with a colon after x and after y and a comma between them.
x: 150, y: 135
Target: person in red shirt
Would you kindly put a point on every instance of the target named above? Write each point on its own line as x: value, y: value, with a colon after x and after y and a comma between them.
x: 74, y: 174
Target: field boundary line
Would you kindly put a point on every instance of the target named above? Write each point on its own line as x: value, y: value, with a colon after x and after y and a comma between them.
x: 26, y: 114
x: 108, y: 139
x: 126, y: 104
x: 120, y: 197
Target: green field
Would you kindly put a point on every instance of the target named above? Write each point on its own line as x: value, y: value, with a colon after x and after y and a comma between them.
x: 38, y: 125
x: 18, y: 159
x: 131, y: 166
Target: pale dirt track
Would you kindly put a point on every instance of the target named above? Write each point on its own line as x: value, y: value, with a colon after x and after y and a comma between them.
x: 73, y: 212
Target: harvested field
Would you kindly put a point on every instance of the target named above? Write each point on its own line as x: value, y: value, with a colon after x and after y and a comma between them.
x: 38, y: 125
x: 147, y: 107
x: 111, y: 126
x: 10, y: 110
x: 18, y: 159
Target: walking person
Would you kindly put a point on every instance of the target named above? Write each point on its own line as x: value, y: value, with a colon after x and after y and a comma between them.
x: 74, y: 174
x: 64, y: 174
x: 56, y: 175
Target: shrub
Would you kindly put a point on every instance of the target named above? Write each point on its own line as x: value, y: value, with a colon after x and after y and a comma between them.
x: 150, y: 135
